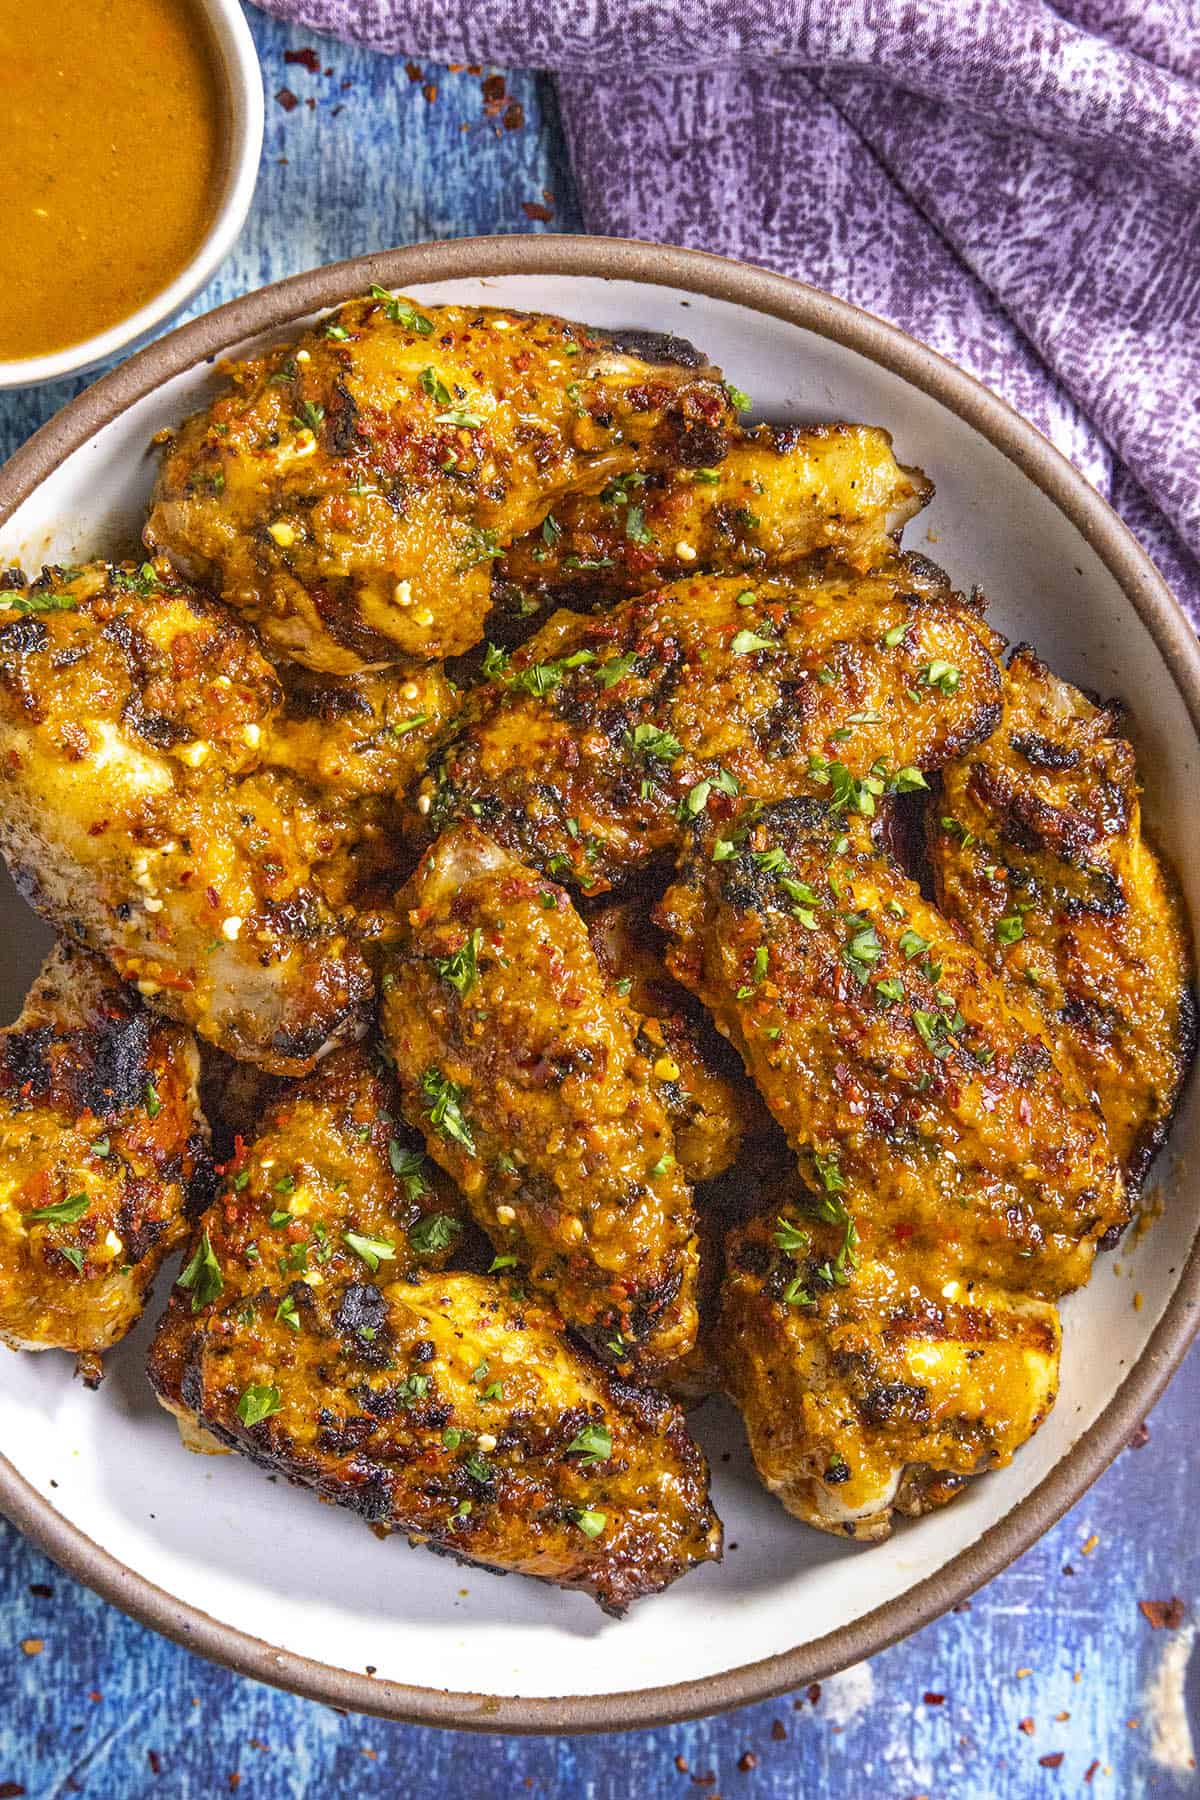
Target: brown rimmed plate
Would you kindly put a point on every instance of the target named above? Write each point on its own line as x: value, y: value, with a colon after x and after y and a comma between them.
x: 256, y: 1576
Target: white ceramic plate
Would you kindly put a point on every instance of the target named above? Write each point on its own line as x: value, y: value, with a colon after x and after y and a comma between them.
x: 258, y: 1574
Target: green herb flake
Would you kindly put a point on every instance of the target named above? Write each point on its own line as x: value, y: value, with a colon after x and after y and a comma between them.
x: 372, y: 1250
x: 652, y: 742
x: 258, y: 1403
x: 461, y: 970
x: 434, y: 1233
x: 590, y: 1523
x: 152, y: 1102
x: 745, y: 642
x: 444, y: 1106
x: 1010, y: 929
x: 593, y: 1444
x: 62, y: 1212
x: 202, y: 1275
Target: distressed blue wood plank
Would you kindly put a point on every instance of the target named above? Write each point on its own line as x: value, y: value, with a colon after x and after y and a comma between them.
x: 108, y: 1709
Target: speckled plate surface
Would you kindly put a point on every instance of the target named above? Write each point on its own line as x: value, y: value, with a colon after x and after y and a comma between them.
x: 256, y: 1575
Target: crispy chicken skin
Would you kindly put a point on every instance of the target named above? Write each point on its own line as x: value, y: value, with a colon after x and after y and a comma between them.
x: 780, y: 494
x: 882, y: 1395
x: 137, y: 813
x: 350, y: 491
x: 711, y: 1105
x: 520, y: 1063
x: 917, y: 1090
x: 360, y: 737
x: 1037, y: 849
x: 102, y: 1149
x: 604, y: 735
x: 318, y: 1336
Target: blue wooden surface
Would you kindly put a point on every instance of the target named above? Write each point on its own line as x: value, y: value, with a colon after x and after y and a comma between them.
x: 1054, y: 1657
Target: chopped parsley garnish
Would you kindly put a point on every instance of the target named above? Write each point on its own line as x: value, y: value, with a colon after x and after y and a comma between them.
x: 791, y: 1238
x: 73, y: 1255
x: 1010, y: 929
x: 62, y: 1212
x: 463, y: 421
x: 913, y: 944
x: 444, y: 1106
x: 202, y: 1275
x: 100, y: 1147
x: 478, y: 1467
x: 461, y: 970
x: 478, y: 545
x: 44, y: 602
x: 152, y: 1102
x: 540, y: 679
x: 942, y: 675
x: 258, y: 1403
x: 309, y: 416
x: 434, y: 386
x: 593, y: 1443
x: 896, y: 635
x: 745, y: 641
x: 590, y: 1523
x: 141, y: 581
x: 740, y: 401
x: 863, y: 950
x: 501, y: 1262
x: 649, y: 741
x: 890, y: 989
x: 412, y: 1389
x: 338, y: 333
x: 401, y: 727
x: 907, y: 780
x: 287, y: 1314
x: 400, y: 313
x: 616, y: 669
x: 636, y: 529
x: 434, y: 1233
x: 409, y: 1167
x: 372, y: 1250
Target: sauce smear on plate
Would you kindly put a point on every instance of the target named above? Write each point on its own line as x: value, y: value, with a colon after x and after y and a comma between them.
x: 113, y: 157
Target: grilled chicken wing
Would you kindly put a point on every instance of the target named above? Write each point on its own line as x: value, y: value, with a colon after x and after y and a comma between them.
x: 603, y: 736
x: 780, y: 494
x: 316, y: 1334
x: 711, y: 1105
x: 883, y: 1395
x: 102, y: 1149
x: 892, y: 1330
x: 520, y: 1063
x: 137, y: 813
x: 1038, y: 852
x: 901, y: 1069
x: 351, y: 490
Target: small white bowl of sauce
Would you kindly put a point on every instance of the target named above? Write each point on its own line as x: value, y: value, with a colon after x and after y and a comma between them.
x: 132, y: 143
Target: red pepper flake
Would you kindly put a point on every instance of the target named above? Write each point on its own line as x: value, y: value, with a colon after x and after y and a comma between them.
x: 430, y: 91
x: 493, y: 88
x: 307, y: 59
x: 155, y: 1761
x: 747, y: 1762
x: 287, y: 99
x: 963, y: 1606
x: 681, y: 1763
x: 708, y: 1780
x: 514, y: 116
x: 11, y: 1790
x: 1141, y: 1437
x: 813, y: 1690
x: 1089, y: 1772
x: 532, y: 210
x: 934, y: 1699
x: 1027, y: 1726
x: 414, y: 71
x: 778, y: 1731
x: 1163, y: 1615
x: 311, y: 104
x: 235, y: 1782
x: 1053, y: 1761
x: 95, y: 1694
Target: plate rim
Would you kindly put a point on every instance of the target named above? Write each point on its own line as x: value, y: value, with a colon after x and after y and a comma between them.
x: 759, y: 290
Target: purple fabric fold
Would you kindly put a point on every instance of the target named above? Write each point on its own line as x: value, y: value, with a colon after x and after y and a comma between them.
x: 1014, y: 183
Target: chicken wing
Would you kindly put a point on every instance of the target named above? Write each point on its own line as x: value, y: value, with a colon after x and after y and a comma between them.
x: 780, y: 494
x: 882, y: 1395
x: 906, y: 1076
x: 138, y: 814
x: 314, y: 1332
x: 1038, y: 852
x: 102, y: 1150
x: 520, y: 1063
x: 603, y: 737
x: 711, y: 1105
x: 350, y: 491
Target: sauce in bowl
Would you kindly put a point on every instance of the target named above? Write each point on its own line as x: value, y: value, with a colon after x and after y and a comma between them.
x: 114, y: 158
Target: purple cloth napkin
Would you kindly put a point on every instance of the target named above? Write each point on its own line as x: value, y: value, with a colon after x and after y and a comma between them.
x: 1015, y: 183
